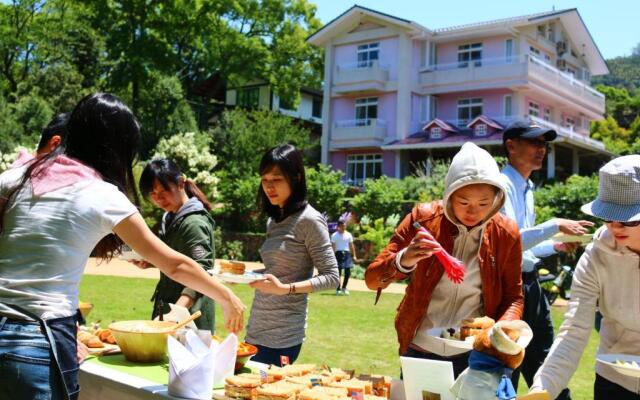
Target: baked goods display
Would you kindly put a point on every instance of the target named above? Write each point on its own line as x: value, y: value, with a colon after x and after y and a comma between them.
x: 232, y: 267
x: 306, y: 382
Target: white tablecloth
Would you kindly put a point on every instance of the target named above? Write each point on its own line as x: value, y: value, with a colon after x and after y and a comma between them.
x: 102, y: 383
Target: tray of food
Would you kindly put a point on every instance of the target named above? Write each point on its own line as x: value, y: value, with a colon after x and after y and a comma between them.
x: 235, y: 272
x: 462, y: 337
x: 626, y: 364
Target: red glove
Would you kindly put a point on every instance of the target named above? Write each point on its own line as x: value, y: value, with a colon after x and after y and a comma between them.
x: 453, y: 267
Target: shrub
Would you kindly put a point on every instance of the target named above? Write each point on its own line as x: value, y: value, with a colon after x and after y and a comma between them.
x: 378, y: 231
x: 564, y: 199
x: 192, y: 154
x: 229, y: 250
x: 325, y: 190
x: 239, y: 212
x: 381, y: 198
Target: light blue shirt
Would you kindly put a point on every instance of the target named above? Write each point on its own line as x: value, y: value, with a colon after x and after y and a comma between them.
x: 519, y: 206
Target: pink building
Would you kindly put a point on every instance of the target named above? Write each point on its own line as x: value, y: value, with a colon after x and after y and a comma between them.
x: 397, y: 94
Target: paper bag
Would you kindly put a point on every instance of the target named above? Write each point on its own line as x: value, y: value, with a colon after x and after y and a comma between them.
x: 191, y: 367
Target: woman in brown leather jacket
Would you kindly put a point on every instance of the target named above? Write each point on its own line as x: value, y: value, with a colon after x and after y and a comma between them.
x: 467, y: 224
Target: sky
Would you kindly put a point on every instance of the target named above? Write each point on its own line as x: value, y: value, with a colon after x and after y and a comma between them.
x: 614, y: 24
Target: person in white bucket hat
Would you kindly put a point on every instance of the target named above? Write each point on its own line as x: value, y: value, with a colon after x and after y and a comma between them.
x: 608, y: 274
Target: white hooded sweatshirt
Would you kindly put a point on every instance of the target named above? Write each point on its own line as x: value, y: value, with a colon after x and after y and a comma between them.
x: 607, y: 274
x: 450, y: 302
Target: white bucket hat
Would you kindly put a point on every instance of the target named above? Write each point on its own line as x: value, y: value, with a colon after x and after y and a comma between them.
x: 618, y: 191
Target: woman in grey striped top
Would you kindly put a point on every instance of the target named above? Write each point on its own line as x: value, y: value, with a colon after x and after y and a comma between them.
x: 297, y: 241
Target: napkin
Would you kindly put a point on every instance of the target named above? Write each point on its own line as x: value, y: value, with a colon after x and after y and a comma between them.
x: 177, y: 314
x: 225, y: 359
x: 191, y: 367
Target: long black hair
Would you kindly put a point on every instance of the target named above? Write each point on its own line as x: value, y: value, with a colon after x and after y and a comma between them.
x: 102, y: 133
x: 166, y: 171
x: 289, y: 160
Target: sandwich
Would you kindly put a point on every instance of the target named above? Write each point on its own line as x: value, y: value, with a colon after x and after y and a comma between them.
x: 309, y: 379
x: 323, y: 393
x: 281, y: 390
x: 242, y: 386
x: 232, y: 267
x: 354, y: 385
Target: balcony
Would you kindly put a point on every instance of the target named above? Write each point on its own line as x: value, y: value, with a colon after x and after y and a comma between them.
x: 510, y: 72
x: 580, y: 138
x: 358, y: 133
x: 360, y: 77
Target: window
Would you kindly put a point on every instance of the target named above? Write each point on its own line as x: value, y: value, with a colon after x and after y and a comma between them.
x: 468, y: 109
x: 508, y: 50
x: 508, y: 105
x: 436, y: 132
x: 368, y: 54
x: 248, y: 97
x: 551, y: 32
x: 366, y: 110
x: 316, y: 107
x: 569, y: 122
x: 547, y: 114
x: 363, y: 166
x: 534, y: 109
x: 480, y: 130
x: 470, y: 53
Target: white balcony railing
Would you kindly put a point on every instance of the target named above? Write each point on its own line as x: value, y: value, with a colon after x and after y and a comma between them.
x: 361, y: 75
x: 509, y: 68
x: 569, y: 133
x: 370, y: 131
x: 361, y: 122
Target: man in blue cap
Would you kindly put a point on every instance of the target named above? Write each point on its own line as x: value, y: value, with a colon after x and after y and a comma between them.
x: 525, y: 145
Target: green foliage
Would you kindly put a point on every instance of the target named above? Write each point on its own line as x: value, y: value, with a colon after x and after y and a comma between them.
x: 616, y: 139
x: 191, y: 152
x: 228, y: 250
x: 424, y: 187
x: 325, y: 190
x: 624, y: 73
x: 564, y: 199
x: 239, y: 212
x: 381, y: 198
x: 378, y: 231
x: 241, y: 137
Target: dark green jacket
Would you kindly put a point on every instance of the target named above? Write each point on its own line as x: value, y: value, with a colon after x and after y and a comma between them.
x: 190, y: 232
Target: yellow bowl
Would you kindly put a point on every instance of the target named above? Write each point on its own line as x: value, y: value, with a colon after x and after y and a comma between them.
x: 141, y: 341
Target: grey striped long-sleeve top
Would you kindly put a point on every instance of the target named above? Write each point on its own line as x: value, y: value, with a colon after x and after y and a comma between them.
x: 294, y: 246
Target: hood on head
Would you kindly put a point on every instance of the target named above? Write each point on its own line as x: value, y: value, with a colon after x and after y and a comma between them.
x: 472, y: 165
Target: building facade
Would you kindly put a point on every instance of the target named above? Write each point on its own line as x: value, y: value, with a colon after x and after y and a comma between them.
x: 398, y: 95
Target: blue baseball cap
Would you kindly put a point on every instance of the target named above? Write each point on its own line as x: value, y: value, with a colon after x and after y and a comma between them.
x: 528, y: 129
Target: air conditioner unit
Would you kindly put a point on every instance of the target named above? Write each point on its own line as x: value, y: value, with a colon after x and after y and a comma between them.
x: 561, y: 47
x: 561, y: 64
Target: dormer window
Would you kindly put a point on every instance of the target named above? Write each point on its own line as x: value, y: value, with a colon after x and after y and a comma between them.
x: 436, y: 132
x: 480, y: 130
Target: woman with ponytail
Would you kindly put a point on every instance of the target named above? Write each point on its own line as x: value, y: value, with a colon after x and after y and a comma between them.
x: 186, y: 227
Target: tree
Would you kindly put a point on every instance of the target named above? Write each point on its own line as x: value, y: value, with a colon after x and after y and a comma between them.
x: 616, y: 139
x: 241, y: 137
x: 325, y: 190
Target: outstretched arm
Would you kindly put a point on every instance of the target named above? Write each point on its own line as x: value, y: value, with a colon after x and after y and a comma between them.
x: 180, y: 268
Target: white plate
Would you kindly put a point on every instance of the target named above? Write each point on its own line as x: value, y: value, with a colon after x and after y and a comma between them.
x: 561, y: 237
x: 626, y: 369
x: 130, y: 255
x: 451, y: 344
x: 247, y: 277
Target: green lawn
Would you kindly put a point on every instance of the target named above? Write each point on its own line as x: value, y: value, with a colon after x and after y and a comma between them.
x: 349, y: 332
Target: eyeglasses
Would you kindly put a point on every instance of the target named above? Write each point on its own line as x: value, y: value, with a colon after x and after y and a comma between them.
x: 629, y: 224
